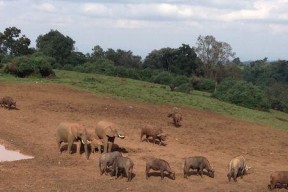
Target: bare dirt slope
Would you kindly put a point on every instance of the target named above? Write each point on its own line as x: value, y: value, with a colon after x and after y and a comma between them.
x: 31, y: 129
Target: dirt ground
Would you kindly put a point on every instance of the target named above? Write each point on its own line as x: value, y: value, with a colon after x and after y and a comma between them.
x: 31, y: 129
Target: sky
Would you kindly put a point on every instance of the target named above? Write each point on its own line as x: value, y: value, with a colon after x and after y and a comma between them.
x: 255, y: 29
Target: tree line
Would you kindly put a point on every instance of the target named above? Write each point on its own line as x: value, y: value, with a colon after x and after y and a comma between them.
x: 209, y: 66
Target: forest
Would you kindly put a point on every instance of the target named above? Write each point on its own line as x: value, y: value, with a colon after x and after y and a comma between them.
x: 209, y: 66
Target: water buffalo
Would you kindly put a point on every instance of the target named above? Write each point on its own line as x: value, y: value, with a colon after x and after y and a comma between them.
x: 278, y: 179
x: 159, y: 164
x: 199, y: 163
x: 123, y: 164
x: 155, y: 133
x: 237, y: 167
x: 107, y: 159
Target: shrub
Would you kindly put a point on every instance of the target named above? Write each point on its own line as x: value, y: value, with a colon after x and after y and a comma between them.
x: 25, y: 66
x: 202, y: 84
x: 180, y: 80
x: 277, y: 94
x: 242, y: 93
x: 80, y: 68
x: 163, y: 78
x: 184, y: 88
x: 68, y: 67
x: 103, y: 66
x: 147, y: 74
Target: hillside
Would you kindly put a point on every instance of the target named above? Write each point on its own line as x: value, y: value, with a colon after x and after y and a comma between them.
x: 42, y: 106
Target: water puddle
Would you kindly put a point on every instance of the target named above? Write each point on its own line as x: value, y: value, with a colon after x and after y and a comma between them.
x: 8, y: 155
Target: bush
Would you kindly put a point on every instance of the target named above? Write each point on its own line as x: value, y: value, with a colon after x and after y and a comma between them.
x: 25, y: 66
x: 180, y: 80
x: 104, y: 66
x: 277, y: 94
x: 242, y: 93
x: 163, y: 78
x: 202, y: 84
x: 184, y: 88
x: 147, y: 74
x: 80, y: 68
x: 68, y: 67
x: 126, y: 72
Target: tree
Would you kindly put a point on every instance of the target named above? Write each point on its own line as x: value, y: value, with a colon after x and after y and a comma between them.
x: 123, y: 58
x: 214, y: 55
x: 279, y: 71
x: 56, y: 45
x: 242, y: 93
x: 12, y: 44
x: 34, y: 64
x: 76, y: 58
x: 182, y: 61
x: 277, y: 94
x: 98, y: 53
x: 186, y: 61
x: 212, y: 52
x: 257, y: 72
x: 160, y: 59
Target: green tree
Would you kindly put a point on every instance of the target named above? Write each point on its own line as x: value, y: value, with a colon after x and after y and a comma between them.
x: 56, y: 45
x: 277, y: 94
x: 242, y: 93
x: 76, y: 58
x: 34, y: 64
x: 257, y: 72
x: 123, y: 58
x: 279, y: 71
x: 11, y: 43
x: 186, y: 61
x: 160, y: 59
x: 182, y: 61
x: 212, y: 52
x: 98, y: 53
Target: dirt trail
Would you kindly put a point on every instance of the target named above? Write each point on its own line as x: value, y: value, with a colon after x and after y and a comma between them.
x: 31, y: 129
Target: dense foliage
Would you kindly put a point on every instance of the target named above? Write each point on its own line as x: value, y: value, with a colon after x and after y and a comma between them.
x: 211, y: 66
x: 242, y: 93
x: 12, y: 44
x: 36, y: 64
x: 56, y: 45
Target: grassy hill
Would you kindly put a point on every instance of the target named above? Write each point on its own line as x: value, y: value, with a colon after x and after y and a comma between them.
x: 153, y: 93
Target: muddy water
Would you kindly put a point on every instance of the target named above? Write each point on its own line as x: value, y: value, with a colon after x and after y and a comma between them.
x: 7, y: 155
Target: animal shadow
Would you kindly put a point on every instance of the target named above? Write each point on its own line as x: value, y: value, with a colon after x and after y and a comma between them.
x: 116, y: 147
x: 158, y: 174
x: 122, y: 173
x: 173, y: 125
x: 194, y: 173
x: 11, y: 108
x: 150, y: 140
x: 74, y: 148
x: 65, y: 148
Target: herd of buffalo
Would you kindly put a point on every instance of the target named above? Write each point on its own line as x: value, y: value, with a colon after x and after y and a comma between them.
x: 114, y: 163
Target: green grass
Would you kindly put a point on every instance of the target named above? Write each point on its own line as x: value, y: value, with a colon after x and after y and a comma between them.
x: 153, y: 93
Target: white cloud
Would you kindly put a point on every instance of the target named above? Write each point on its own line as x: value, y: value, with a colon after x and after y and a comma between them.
x: 95, y: 8
x: 46, y: 7
x: 180, y: 20
x: 278, y: 28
